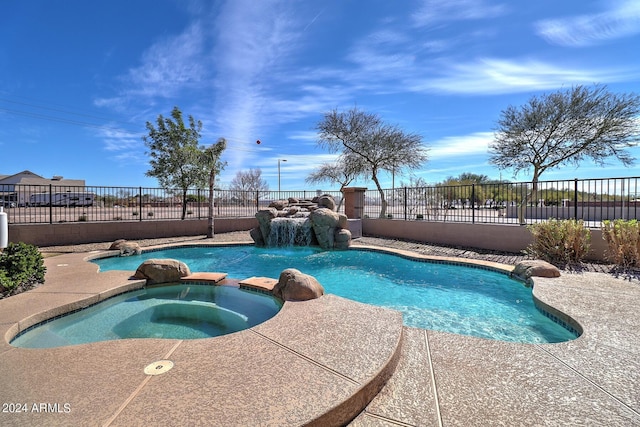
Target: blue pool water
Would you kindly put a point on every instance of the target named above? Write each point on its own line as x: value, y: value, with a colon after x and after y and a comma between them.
x: 444, y: 297
x: 184, y: 311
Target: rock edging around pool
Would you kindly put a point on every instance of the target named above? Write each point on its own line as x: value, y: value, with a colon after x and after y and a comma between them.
x: 292, y: 285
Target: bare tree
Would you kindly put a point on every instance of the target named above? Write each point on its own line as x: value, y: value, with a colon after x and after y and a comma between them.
x: 365, y: 140
x: 566, y: 127
x: 250, y: 180
x: 340, y: 172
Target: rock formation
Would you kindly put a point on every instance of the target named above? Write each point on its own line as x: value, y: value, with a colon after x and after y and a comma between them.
x: 293, y: 285
x: 535, y: 268
x: 162, y: 271
x: 126, y: 248
x: 302, y: 222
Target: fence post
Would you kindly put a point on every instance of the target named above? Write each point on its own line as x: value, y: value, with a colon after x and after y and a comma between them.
x: 405, y: 203
x: 50, y: 204
x: 140, y: 203
x: 473, y: 203
x: 575, y: 199
x: 199, y: 199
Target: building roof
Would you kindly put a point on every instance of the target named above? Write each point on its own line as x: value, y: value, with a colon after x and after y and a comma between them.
x: 27, y: 177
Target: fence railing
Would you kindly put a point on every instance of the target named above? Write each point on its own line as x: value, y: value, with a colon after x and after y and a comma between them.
x: 47, y: 204
x: 592, y: 200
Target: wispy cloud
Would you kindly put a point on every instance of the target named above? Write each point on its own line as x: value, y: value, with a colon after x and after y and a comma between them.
x: 621, y: 20
x: 464, y: 145
x: 436, y: 11
x: 167, y: 68
x: 249, y: 64
x: 498, y: 76
x: 116, y: 139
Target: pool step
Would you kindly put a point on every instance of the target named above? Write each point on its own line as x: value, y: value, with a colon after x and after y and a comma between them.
x: 204, y: 277
x: 259, y: 283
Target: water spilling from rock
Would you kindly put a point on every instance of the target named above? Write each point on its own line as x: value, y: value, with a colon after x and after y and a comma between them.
x: 290, y: 232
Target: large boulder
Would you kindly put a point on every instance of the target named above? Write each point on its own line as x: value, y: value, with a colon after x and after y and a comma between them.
x: 342, y: 239
x: 293, y: 285
x: 264, y: 217
x: 327, y: 201
x: 324, y: 221
x: 125, y: 247
x: 256, y: 235
x: 535, y: 268
x: 279, y: 204
x: 162, y: 270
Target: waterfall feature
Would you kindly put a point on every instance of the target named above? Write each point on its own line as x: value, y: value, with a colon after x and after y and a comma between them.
x: 290, y: 232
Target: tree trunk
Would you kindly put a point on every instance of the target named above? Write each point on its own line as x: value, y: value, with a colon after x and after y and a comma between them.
x: 184, y: 203
x: 531, y: 195
x: 383, y: 201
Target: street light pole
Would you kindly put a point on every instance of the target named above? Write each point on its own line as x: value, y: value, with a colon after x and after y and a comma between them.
x: 279, y: 160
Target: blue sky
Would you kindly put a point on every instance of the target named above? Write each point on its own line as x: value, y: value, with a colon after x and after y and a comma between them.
x: 79, y: 80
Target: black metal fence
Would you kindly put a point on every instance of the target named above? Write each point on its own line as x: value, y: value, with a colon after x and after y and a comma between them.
x: 47, y: 204
x: 592, y: 200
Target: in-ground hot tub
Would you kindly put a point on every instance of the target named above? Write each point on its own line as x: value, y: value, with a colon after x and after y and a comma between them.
x: 180, y: 311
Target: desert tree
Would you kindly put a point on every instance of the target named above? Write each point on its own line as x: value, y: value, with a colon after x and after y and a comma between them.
x: 341, y: 172
x: 247, y: 183
x: 565, y: 127
x: 177, y: 160
x: 365, y: 140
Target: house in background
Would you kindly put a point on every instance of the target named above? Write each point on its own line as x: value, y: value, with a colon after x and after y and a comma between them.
x: 16, y: 190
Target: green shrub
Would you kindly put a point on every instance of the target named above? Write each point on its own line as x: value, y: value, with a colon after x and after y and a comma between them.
x: 559, y: 242
x: 83, y: 218
x: 20, y: 264
x: 623, y: 242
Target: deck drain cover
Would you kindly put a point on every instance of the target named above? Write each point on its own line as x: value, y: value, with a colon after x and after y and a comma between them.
x: 159, y: 367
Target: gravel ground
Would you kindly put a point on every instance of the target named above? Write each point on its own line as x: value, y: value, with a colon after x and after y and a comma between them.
x: 419, y: 247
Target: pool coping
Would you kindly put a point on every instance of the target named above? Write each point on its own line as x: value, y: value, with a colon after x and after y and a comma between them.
x: 591, y: 379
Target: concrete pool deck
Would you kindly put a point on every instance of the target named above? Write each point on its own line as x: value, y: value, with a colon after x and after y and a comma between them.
x: 320, y: 362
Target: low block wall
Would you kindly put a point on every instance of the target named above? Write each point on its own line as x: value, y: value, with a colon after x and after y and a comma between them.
x: 92, y: 232
x: 498, y: 237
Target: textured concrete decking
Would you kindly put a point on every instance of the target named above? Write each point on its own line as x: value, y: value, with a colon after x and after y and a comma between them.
x: 316, y: 361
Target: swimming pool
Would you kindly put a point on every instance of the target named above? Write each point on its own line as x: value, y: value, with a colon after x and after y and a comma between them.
x: 185, y: 311
x: 444, y: 297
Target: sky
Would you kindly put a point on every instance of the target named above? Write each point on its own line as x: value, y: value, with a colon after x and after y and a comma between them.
x: 79, y: 80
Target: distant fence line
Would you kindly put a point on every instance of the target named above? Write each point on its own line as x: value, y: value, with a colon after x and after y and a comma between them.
x: 592, y: 200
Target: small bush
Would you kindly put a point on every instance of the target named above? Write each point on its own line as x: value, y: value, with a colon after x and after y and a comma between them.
x: 559, y: 242
x: 134, y: 213
x: 83, y: 218
x: 20, y: 264
x: 623, y: 242
x: 149, y: 214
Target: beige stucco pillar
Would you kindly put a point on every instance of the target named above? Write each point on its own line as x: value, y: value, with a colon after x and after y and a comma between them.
x: 354, y: 202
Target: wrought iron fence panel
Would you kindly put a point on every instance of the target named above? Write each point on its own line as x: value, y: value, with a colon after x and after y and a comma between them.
x: 48, y: 204
x: 590, y: 200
